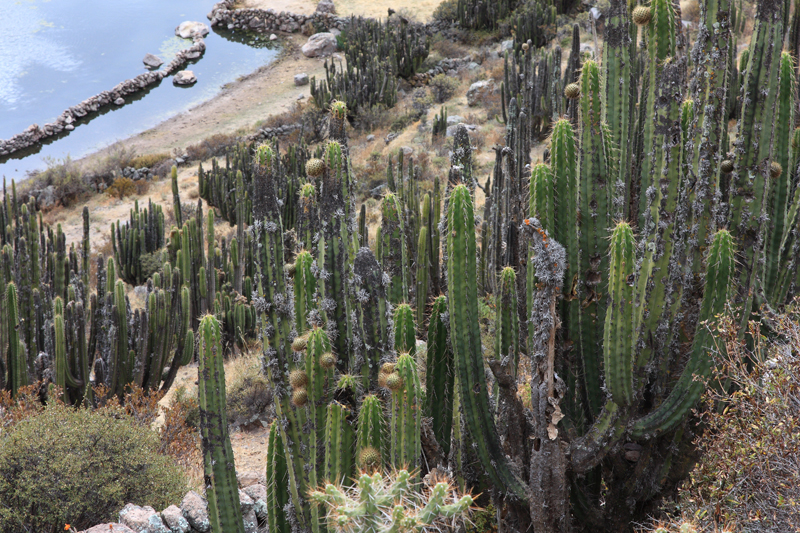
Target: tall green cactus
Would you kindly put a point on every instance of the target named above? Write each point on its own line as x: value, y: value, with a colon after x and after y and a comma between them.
x: 222, y: 490
x: 371, y: 426
x: 542, y: 197
x: 277, y: 480
x: 465, y: 338
x: 392, y: 248
x: 305, y: 287
x: 339, y: 443
x: 405, y: 339
x: 439, y: 376
x: 16, y: 358
x: 507, y: 325
x: 618, y: 336
x: 594, y: 222
x: 406, y: 414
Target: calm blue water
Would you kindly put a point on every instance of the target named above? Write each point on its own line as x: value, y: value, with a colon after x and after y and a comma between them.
x: 56, y: 53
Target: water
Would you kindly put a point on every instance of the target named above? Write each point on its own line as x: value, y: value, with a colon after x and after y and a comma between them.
x: 56, y: 53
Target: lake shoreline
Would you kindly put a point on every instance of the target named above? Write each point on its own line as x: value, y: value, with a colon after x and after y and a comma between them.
x: 236, y: 109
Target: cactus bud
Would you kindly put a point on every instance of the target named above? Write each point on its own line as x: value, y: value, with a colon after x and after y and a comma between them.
x: 525, y: 47
x: 775, y: 170
x: 369, y: 457
x: 299, y: 343
x: 289, y: 268
x: 298, y: 379
x: 300, y: 397
x: 394, y: 382
x: 327, y: 360
x: 726, y: 166
x: 314, y: 168
x: 387, y: 368
x: 264, y: 154
x: 572, y: 91
x: 641, y: 15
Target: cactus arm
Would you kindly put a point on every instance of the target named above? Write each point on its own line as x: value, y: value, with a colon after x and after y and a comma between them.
x: 277, y: 482
x: 618, y: 334
x: 779, y: 186
x: 339, y: 444
x: 691, y: 383
x: 753, y: 147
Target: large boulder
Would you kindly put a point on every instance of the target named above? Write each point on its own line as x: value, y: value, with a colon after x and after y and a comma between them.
x: 152, y: 61
x: 188, y: 29
x: 301, y: 79
x: 184, y: 77
x: 142, y: 519
x: 326, y: 6
x: 113, y: 527
x: 480, y: 91
x: 195, y: 511
x: 320, y: 45
x: 174, y: 520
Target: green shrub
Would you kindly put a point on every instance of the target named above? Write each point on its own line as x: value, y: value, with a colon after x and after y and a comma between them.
x: 446, y: 11
x: 81, y: 467
x: 443, y: 87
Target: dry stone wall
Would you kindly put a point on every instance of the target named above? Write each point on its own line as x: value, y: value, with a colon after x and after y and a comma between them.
x: 66, y: 121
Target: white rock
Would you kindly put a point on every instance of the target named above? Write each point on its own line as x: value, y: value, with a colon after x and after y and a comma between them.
x: 152, y: 61
x: 273, y: 37
x: 184, y: 77
x: 319, y: 45
x: 479, y: 91
x: 188, y: 29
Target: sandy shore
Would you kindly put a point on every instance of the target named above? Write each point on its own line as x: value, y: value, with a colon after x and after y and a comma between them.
x: 237, y: 108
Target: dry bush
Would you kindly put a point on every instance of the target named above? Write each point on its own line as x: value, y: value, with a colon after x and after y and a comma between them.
x: 194, y: 193
x: 443, y: 87
x: 447, y: 48
x: 249, y: 395
x: 149, y: 160
x: 690, y: 10
x: 213, y: 146
x: 748, y: 475
x: 121, y: 188
x: 142, y: 186
x: 161, y: 170
x: 64, y: 175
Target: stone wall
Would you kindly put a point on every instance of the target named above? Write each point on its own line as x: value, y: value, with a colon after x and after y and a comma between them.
x: 269, y: 21
x: 65, y: 122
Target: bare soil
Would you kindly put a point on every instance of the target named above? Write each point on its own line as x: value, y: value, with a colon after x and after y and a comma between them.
x: 419, y: 10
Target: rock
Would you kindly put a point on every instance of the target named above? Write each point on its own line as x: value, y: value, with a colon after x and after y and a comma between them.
x: 174, y: 520
x: 472, y: 65
x: 480, y: 91
x: 587, y: 47
x: 245, y: 502
x: 273, y: 37
x: 596, y: 13
x: 184, y: 77
x: 188, y: 29
x: 319, y: 45
x: 119, y: 101
x: 195, y: 511
x: 326, y: 6
x: 370, y: 138
x: 152, y: 61
x: 301, y: 96
x: 69, y: 127
x: 378, y: 191
x: 507, y: 45
x: 407, y: 150
x: 250, y: 522
x: 452, y: 120
x: 301, y: 79
x: 246, y: 479
x: 113, y: 527
x: 451, y: 130
x: 179, y: 161
x: 256, y: 491
x: 142, y: 519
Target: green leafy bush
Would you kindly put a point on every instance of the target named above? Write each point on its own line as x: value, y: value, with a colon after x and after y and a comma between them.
x: 443, y: 87
x: 81, y: 467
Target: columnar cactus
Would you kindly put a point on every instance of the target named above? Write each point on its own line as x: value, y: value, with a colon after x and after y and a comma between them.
x: 406, y: 411
x: 439, y: 375
x: 392, y: 248
x: 222, y: 489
